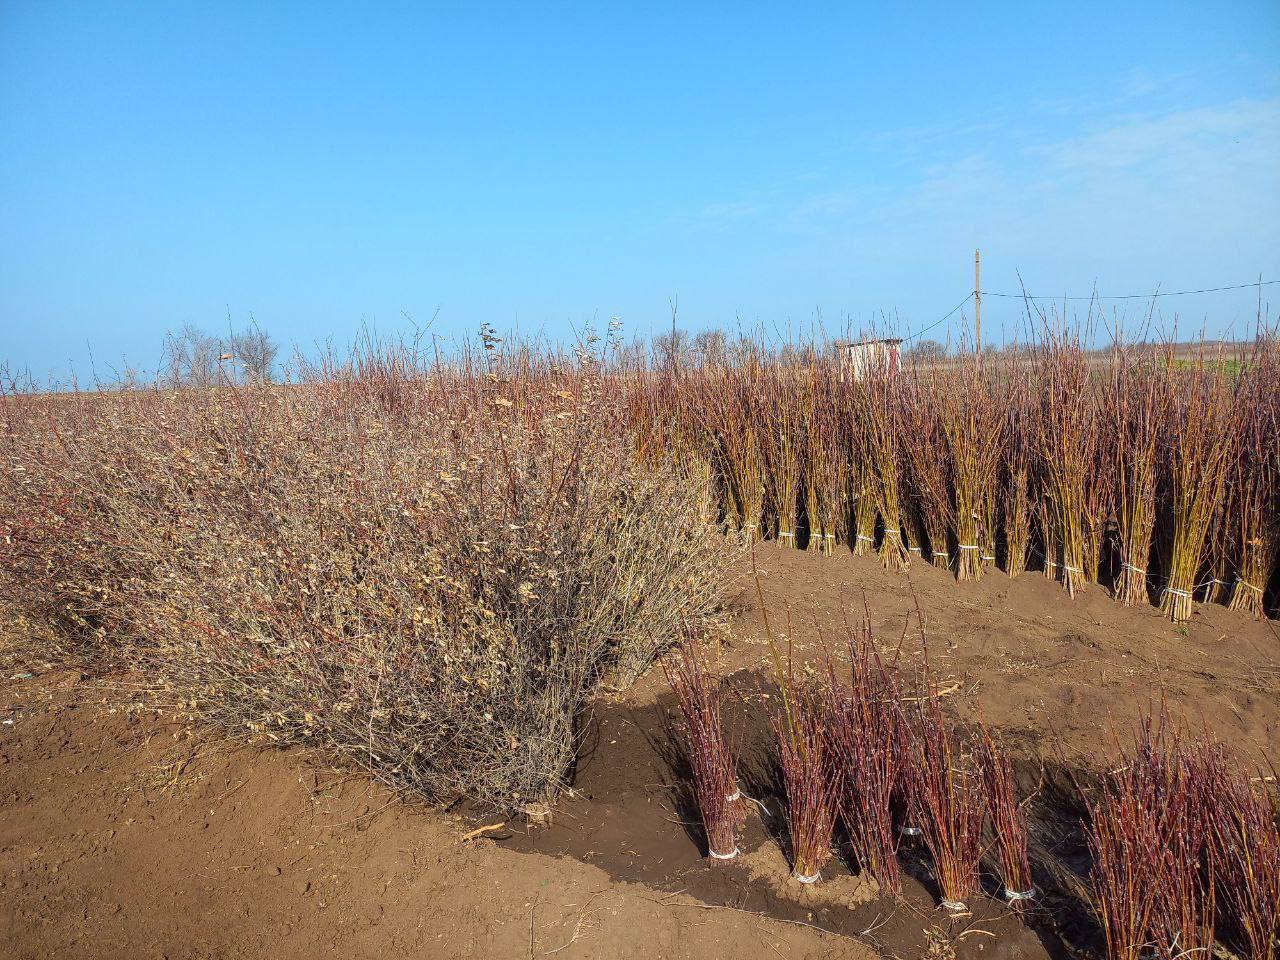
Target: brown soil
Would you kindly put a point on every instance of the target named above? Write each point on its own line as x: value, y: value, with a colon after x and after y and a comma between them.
x: 124, y: 835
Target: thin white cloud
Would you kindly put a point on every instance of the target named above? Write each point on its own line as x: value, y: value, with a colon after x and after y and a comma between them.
x: 736, y: 210
x: 1196, y: 161
x: 1199, y: 142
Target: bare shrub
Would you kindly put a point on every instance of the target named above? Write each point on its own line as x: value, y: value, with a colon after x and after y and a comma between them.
x: 428, y: 571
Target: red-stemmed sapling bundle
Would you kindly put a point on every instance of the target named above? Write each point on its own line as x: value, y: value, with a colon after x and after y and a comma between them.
x: 805, y: 758
x: 1124, y: 840
x: 780, y: 426
x: 677, y: 404
x: 972, y: 424
x: 1197, y: 442
x: 850, y: 405
x: 1046, y: 524
x: 994, y: 379
x: 913, y: 507
x: 1136, y: 412
x: 1254, y: 498
x: 1068, y: 443
x: 924, y: 453
x: 882, y: 422
x: 1149, y: 834
x: 1099, y: 487
x: 948, y: 802
x: 863, y: 480
x: 1008, y: 820
x: 1247, y: 836
x: 707, y: 751
x: 1220, y: 549
x: 728, y: 407
x: 808, y: 779
x: 1124, y: 865
x: 1015, y: 475
x: 1184, y: 918
x: 865, y: 733
x: 827, y: 467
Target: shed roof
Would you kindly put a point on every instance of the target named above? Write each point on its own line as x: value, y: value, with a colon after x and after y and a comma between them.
x: 844, y: 344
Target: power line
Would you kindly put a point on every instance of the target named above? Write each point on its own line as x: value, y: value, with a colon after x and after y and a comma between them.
x: 938, y: 323
x: 1134, y: 296
x: 1127, y: 296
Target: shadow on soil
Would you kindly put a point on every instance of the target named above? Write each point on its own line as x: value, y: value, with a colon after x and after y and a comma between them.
x: 633, y: 816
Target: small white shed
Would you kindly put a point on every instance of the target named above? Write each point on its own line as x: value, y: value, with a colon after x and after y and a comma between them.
x: 861, y: 357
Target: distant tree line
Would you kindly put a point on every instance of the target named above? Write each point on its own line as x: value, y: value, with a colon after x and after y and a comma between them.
x: 715, y: 345
x: 684, y: 348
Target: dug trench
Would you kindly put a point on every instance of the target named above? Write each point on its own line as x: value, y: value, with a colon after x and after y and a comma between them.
x: 123, y: 834
x: 631, y: 815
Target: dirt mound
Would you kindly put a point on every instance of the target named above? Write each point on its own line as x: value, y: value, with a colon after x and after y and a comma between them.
x: 121, y: 837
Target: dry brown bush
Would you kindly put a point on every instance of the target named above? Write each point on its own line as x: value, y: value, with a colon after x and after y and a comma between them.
x: 428, y: 571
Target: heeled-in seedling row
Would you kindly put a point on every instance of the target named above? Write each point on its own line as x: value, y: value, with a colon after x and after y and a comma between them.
x: 1185, y: 847
x: 1151, y: 468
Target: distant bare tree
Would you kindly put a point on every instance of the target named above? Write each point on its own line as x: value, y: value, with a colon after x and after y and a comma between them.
x: 671, y: 348
x: 191, y: 357
x: 255, y: 352
x: 631, y: 354
x: 710, y: 345
x: 929, y: 350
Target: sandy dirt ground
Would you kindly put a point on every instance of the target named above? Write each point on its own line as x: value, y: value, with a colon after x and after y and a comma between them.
x: 123, y: 834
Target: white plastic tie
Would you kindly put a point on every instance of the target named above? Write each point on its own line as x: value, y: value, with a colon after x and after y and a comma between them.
x: 723, y: 856
x: 1013, y: 896
x: 1250, y: 586
x: 736, y: 795
x: 987, y: 556
x: 1071, y: 569
x: 969, y: 546
x: 763, y: 809
x: 811, y: 878
x: 863, y: 536
x: 955, y: 906
x: 1178, y: 593
x: 1130, y: 566
x: 910, y: 831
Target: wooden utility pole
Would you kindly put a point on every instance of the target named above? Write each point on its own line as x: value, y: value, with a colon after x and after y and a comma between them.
x: 977, y: 301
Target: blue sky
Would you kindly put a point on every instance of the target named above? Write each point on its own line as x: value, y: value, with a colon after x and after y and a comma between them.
x: 319, y: 166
